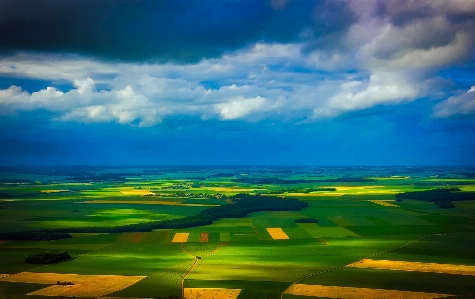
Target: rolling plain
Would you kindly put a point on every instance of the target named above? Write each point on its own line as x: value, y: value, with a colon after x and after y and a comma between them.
x: 200, y: 232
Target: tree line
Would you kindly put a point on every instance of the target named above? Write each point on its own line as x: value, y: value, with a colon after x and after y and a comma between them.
x: 241, y: 206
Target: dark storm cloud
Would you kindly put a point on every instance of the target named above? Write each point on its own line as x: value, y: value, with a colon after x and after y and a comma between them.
x: 402, y: 12
x: 332, y: 19
x: 165, y: 30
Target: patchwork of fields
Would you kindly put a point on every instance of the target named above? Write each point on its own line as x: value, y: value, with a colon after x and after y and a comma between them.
x: 363, y: 242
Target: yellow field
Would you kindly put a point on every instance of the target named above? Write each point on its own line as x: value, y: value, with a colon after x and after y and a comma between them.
x: 137, y: 192
x: 364, y: 190
x: 211, y: 293
x: 415, y: 266
x: 320, y: 193
x: 357, y: 293
x: 384, y: 203
x: 277, y: 233
x: 180, y: 238
x: 84, y: 285
x: 343, y: 190
x: 231, y: 189
x: 150, y: 202
x: 53, y: 191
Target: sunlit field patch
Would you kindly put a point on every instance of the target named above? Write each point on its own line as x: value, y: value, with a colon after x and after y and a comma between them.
x: 385, y: 203
x: 232, y: 189
x: 142, y: 192
x: 312, y: 194
x: 84, y: 285
x: 357, y: 293
x: 361, y: 190
x: 180, y: 237
x: 317, y: 231
x: 415, y: 266
x: 277, y: 233
x: 224, y: 236
x: 211, y: 293
x: 148, y: 202
x: 53, y: 191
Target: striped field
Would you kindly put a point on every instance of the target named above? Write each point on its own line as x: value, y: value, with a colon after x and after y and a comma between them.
x: 357, y: 293
x: 83, y: 285
x: 415, y: 266
x: 211, y: 293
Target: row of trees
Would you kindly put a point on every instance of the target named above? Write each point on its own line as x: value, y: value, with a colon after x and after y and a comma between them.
x: 442, y: 197
x: 242, y: 204
x: 47, y: 257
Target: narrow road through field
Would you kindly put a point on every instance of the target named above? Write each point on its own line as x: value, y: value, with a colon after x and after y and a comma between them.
x: 197, y: 261
x: 339, y: 267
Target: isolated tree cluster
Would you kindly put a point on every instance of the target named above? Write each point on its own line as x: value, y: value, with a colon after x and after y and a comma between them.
x: 47, y: 257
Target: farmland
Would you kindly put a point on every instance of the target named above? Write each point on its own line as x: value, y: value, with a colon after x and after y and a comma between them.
x: 234, y: 232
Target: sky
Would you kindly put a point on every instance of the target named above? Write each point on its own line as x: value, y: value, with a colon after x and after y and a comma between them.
x: 237, y: 82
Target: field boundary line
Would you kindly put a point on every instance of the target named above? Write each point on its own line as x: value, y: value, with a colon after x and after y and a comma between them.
x: 110, y: 245
x: 339, y: 267
x: 197, y: 260
x: 255, y: 228
x: 189, y: 253
x: 220, y: 244
x: 184, y: 277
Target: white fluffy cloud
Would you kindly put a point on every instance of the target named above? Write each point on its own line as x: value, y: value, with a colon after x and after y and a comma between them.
x: 382, y: 88
x: 463, y: 104
x: 239, y: 107
x: 377, y: 61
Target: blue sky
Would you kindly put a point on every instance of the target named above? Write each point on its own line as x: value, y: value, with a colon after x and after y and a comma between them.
x: 237, y: 82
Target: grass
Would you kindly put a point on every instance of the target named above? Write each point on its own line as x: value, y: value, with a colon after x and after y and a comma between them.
x: 123, y: 259
x: 12, y: 259
x: 239, y: 252
x: 82, y: 285
x: 163, y: 283
x: 407, y: 229
x: 18, y: 290
x: 396, y: 280
x: 317, y: 231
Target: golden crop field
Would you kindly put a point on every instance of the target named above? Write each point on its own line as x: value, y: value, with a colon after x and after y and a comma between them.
x: 317, y: 193
x: 232, y: 189
x: 357, y: 293
x: 211, y: 293
x: 385, y: 203
x: 137, y: 192
x: 53, y: 191
x: 84, y: 285
x: 277, y: 233
x: 415, y: 266
x: 180, y: 238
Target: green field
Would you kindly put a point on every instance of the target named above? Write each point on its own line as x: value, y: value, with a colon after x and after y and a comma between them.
x: 238, y: 252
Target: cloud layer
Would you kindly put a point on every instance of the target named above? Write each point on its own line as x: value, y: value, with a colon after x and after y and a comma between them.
x: 290, y: 61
